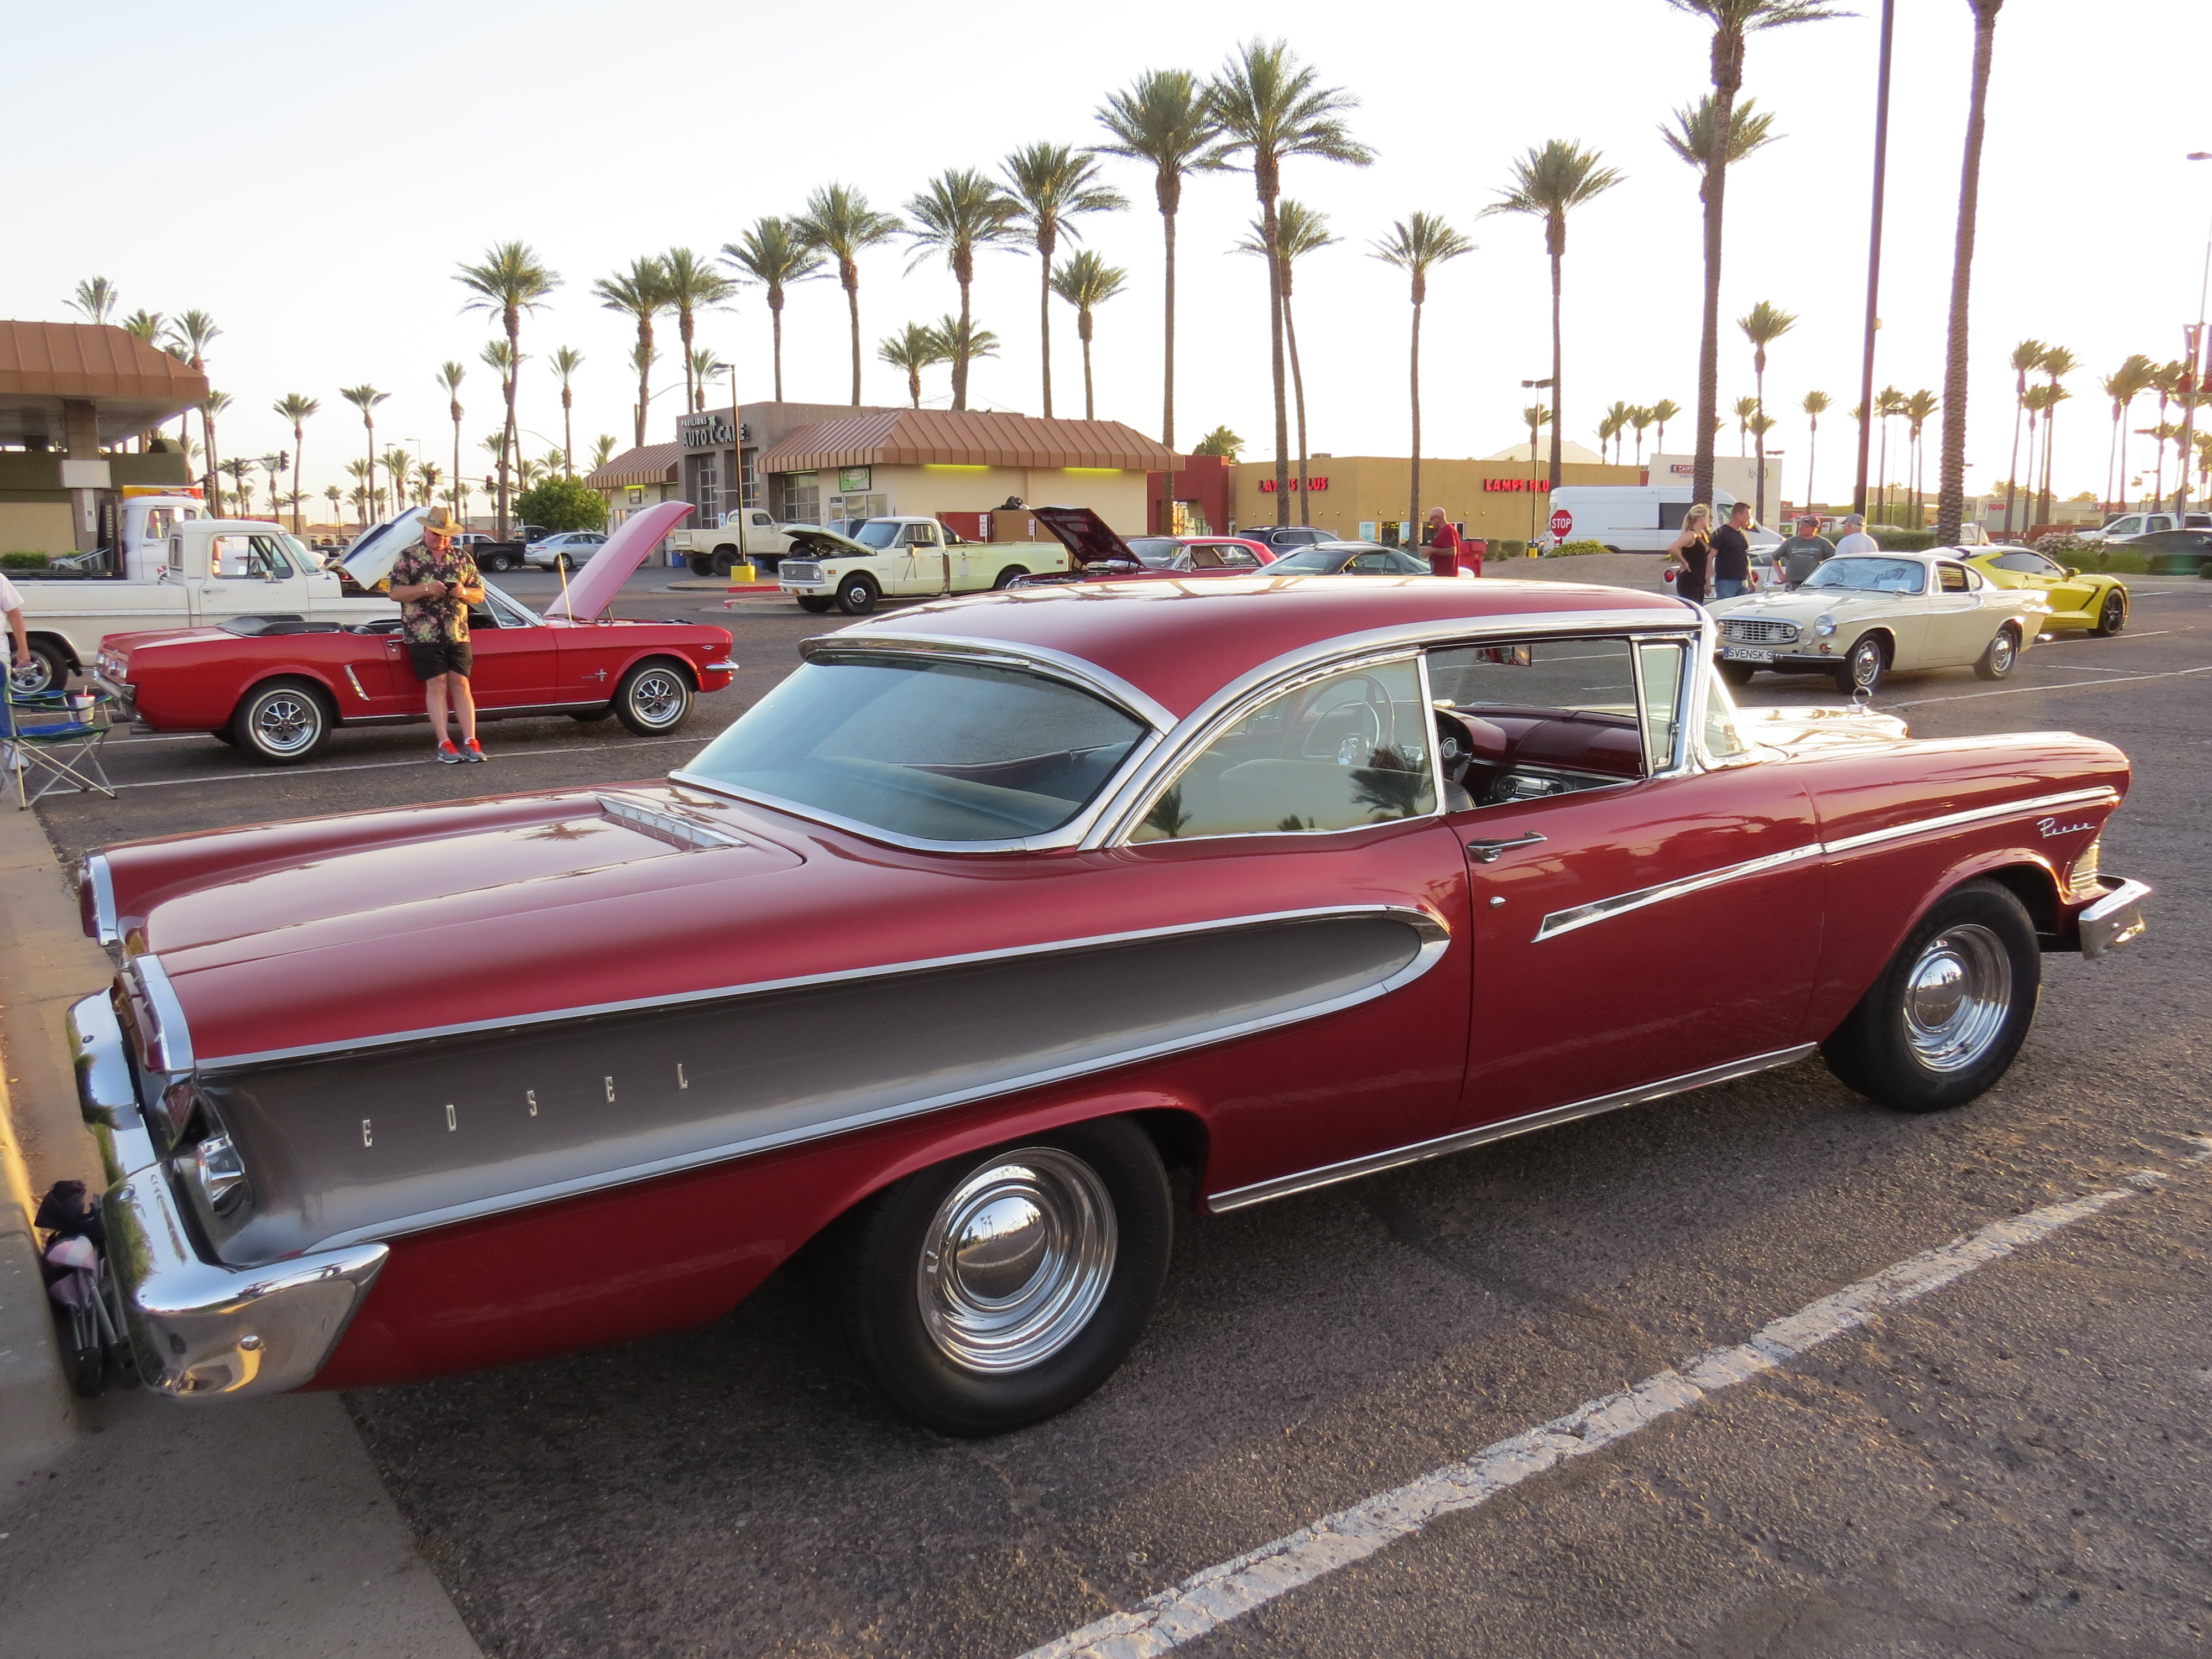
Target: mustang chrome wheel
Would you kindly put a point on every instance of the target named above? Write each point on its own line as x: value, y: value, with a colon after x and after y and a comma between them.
x: 654, y: 697
x: 1016, y: 1261
x: 283, y: 722
x: 1957, y: 997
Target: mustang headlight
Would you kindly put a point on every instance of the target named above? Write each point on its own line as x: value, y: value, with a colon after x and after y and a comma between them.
x: 1824, y: 624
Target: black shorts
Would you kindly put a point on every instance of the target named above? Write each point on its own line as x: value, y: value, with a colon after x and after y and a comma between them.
x: 438, y: 657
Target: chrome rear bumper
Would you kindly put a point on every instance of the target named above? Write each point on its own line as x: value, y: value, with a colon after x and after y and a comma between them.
x: 2115, y: 919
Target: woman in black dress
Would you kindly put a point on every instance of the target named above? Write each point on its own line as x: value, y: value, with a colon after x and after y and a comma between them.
x: 1694, y: 547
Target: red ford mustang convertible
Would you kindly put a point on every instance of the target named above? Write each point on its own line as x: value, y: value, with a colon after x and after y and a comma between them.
x: 943, y: 956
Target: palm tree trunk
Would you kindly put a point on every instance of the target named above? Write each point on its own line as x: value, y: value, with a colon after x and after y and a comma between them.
x: 1271, y: 233
x: 1414, y: 384
x: 1167, y: 330
x: 2050, y: 433
x: 684, y: 333
x: 298, y: 449
x: 852, y: 307
x: 2120, y: 483
x: 1759, y: 438
x: 1044, y: 319
x: 775, y: 332
x: 1881, y: 478
x: 959, y: 352
x: 1557, y: 421
x: 1812, y: 453
x: 568, y: 432
x: 457, y: 467
x: 1083, y: 329
x: 368, y: 484
x: 1727, y: 70
x: 2012, y: 472
x: 1951, y: 470
x: 1298, y: 392
x: 2111, y: 457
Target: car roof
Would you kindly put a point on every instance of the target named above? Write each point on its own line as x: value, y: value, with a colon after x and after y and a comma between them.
x: 1180, y: 642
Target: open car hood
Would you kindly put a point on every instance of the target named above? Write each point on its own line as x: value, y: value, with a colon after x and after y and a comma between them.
x: 826, y: 543
x: 1085, y: 535
x: 596, y: 585
x: 369, y: 560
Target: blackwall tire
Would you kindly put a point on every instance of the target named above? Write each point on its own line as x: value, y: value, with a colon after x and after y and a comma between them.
x: 1863, y: 667
x: 1000, y: 1288
x: 49, y: 670
x: 2111, y: 616
x: 282, y: 722
x: 1011, y: 574
x: 857, y: 594
x: 1738, y: 673
x: 699, y: 564
x: 2003, y: 654
x: 817, y: 603
x: 654, y: 698
x: 1947, y: 1014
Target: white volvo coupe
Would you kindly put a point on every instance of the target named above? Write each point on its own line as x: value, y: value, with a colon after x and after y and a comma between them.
x: 1859, y: 616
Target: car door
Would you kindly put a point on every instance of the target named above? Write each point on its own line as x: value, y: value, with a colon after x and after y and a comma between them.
x: 1960, y: 625
x: 2071, y: 593
x: 513, y: 656
x: 1645, y: 892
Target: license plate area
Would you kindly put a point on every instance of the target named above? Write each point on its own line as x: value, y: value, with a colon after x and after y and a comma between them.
x: 1746, y: 653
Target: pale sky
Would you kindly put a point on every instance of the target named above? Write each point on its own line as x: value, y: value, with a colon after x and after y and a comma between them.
x: 312, y: 175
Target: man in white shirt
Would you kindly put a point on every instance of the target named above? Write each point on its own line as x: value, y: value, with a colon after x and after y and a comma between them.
x: 1856, y: 540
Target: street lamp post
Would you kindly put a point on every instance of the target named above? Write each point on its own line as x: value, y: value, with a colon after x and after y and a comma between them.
x: 2196, y: 336
x: 1532, y: 385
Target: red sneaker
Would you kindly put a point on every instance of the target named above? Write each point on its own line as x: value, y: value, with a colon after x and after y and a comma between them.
x: 447, y: 755
x: 472, y: 750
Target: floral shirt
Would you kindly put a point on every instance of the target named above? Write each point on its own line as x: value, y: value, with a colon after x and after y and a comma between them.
x: 430, y: 621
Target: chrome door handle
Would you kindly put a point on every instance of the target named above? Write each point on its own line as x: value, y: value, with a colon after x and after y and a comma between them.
x: 1486, y: 851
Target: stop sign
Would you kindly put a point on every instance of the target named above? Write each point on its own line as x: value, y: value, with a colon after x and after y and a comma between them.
x: 1562, y: 523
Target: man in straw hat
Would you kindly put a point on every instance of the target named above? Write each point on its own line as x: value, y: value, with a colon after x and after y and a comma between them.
x: 435, y: 583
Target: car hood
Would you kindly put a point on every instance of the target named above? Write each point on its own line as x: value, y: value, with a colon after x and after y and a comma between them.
x: 1802, y: 731
x: 593, y: 588
x: 825, y: 543
x: 369, y: 560
x: 1087, y: 538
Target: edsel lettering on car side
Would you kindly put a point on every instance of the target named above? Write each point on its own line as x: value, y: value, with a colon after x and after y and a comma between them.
x: 942, y: 958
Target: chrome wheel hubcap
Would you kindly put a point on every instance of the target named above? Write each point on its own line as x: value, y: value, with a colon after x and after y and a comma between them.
x: 1866, y: 664
x: 2001, y: 653
x: 657, y: 699
x: 1016, y: 1261
x: 284, y: 723
x: 1956, y: 998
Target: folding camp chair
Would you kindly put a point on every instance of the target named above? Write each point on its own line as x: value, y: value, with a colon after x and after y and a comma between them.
x: 52, y: 741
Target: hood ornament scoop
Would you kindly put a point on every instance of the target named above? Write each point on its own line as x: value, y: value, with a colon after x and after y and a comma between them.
x: 687, y: 833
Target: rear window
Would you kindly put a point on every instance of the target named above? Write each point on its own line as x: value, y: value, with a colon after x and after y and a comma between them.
x: 934, y: 750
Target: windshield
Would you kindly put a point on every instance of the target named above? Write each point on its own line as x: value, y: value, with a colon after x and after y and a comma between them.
x: 878, y: 532
x: 1309, y: 558
x: 1871, y: 575
x: 934, y: 750
x: 1153, y: 551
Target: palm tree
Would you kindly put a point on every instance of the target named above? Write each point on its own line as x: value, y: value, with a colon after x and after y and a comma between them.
x: 641, y: 292
x: 1888, y: 403
x: 511, y: 280
x: 296, y: 408
x: 565, y: 363
x: 957, y: 213
x: 1300, y: 230
x: 706, y: 364
x: 194, y: 331
x: 1535, y: 417
x: 839, y: 222
x: 1639, y: 419
x: 398, y: 467
x: 364, y: 397
x: 1691, y: 137
x: 2057, y: 363
x: 1745, y: 408
x: 1165, y: 117
x: 1763, y: 325
x: 1951, y: 467
x: 2025, y: 357
x: 97, y: 298
x: 914, y: 350
x: 2135, y: 375
x: 958, y: 339
x: 691, y: 285
x: 1618, y: 417
x: 2172, y: 381
x: 1548, y: 183
x: 1918, y: 408
x: 1609, y: 426
x: 1086, y: 281
x: 1271, y: 108
x: 428, y: 476
x: 602, y: 449
x: 1051, y: 184
x: 1732, y: 21
x: 336, y: 500
x: 2041, y: 401
x: 774, y: 254
x: 1661, y: 412
x: 237, y: 468
x: 499, y: 356
x: 1816, y: 405
x: 1415, y: 245
x: 147, y: 326
x: 1220, y: 441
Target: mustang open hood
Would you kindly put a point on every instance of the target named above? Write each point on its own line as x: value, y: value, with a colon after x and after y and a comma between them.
x: 369, y: 560
x: 596, y: 585
x: 1085, y: 535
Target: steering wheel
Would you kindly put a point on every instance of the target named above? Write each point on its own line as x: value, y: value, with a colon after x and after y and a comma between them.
x: 1341, y: 729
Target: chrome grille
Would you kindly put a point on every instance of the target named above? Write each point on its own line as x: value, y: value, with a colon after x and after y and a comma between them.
x: 1751, y: 630
x: 798, y: 570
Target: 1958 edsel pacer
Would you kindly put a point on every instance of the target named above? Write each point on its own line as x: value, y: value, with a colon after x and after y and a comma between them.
x: 989, y: 916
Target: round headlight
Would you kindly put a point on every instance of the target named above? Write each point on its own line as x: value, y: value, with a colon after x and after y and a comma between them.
x: 1823, y: 624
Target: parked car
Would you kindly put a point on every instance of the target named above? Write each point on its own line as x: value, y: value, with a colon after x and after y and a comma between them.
x: 1096, y: 552
x: 2079, y: 600
x: 747, y: 537
x: 2128, y: 525
x: 1350, y: 559
x: 948, y: 950
x: 1286, y: 537
x: 902, y: 557
x: 2171, y: 552
x: 1862, y: 615
x: 564, y: 550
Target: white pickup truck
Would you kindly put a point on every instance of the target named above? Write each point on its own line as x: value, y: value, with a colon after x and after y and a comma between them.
x: 171, y: 567
x: 902, y: 558
x: 751, y: 536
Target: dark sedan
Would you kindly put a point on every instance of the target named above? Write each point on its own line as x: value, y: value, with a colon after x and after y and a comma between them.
x: 2171, y: 552
x: 1349, y: 559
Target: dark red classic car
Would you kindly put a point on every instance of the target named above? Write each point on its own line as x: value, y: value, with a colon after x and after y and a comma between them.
x: 942, y: 956
x: 1097, y: 552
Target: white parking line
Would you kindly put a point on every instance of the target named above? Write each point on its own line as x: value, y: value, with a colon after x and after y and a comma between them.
x: 2046, y: 640
x: 2077, y: 668
x: 282, y: 772
x: 2024, y: 691
x: 1208, y: 1600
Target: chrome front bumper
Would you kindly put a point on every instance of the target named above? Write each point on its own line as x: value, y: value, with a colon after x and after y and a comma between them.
x: 2115, y: 919
x: 200, y: 1330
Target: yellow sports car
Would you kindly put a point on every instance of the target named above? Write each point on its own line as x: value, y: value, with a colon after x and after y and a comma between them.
x: 2078, y: 599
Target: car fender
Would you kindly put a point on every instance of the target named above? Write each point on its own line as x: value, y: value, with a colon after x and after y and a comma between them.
x: 313, y: 673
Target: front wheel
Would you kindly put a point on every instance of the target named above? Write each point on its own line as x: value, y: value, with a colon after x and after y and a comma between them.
x: 857, y: 594
x: 1863, y: 667
x: 2113, y: 614
x: 1997, y: 662
x: 1951, y: 1008
x: 1737, y: 673
x: 1001, y: 1287
x: 654, y: 698
x: 817, y: 603
x: 283, y: 723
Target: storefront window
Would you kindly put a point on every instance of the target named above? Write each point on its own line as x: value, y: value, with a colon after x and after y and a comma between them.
x: 801, y: 494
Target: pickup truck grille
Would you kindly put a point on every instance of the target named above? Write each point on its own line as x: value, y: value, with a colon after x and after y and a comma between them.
x: 798, y: 570
x: 1755, y: 631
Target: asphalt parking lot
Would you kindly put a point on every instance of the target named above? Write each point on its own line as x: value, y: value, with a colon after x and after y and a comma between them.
x: 2016, y: 1462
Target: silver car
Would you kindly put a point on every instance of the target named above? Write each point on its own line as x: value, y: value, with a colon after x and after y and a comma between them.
x: 563, y: 551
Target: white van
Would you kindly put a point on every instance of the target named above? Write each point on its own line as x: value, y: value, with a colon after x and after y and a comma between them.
x: 1637, y: 518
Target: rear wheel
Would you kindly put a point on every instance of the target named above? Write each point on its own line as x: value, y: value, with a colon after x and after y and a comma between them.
x: 1951, y: 1008
x: 654, y: 698
x: 818, y: 603
x: 1007, y: 577
x: 857, y: 593
x: 283, y: 723
x: 726, y: 559
x: 1003, y: 1286
x: 49, y: 669
x: 2003, y: 652
x: 1863, y: 667
x: 2113, y: 614
x: 699, y: 564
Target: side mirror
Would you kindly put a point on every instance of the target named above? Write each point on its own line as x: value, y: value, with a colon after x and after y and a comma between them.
x: 2071, y: 571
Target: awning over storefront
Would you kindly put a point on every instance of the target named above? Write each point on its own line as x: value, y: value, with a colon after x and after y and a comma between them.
x: 128, y: 386
x: 655, y: 463
x: 938, y: 437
